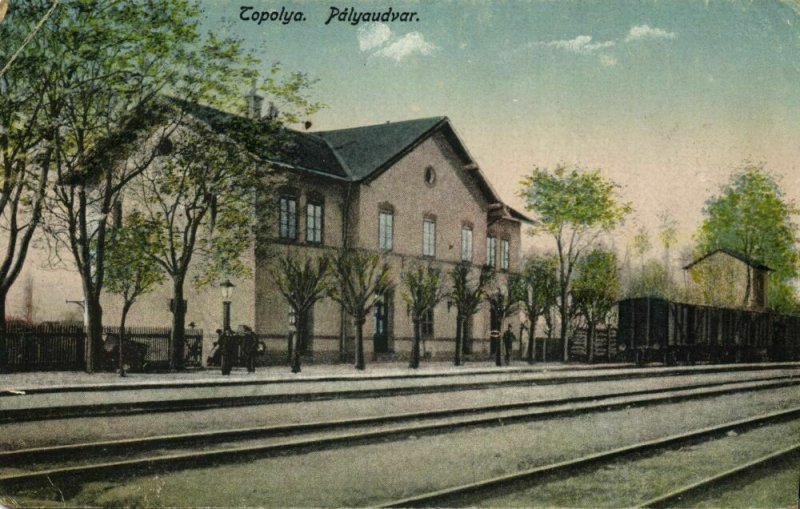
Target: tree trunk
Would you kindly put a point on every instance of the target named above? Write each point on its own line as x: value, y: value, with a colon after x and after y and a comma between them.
x: 294, y: 347
x: 590, y: 341
x: 564, y: 315
x: 531, y: 339
x: 459, y: 340
x: 94, y: 334
x: 3, y: 343
x: 177, y: 338
x: 125, y: 308
x: 360, y: 364
x: 414, y: 364
x: 498, y: 351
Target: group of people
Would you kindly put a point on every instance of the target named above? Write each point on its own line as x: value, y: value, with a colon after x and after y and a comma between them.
x: 229, y: 344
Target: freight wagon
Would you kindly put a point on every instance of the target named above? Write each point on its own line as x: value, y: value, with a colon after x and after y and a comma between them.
x: 658, y: 330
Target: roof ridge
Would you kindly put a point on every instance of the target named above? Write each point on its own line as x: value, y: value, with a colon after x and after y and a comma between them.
x: 438, y: 118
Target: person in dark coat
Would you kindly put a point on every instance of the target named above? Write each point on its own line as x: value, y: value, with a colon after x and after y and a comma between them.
x: 250, y: 348
x: 508, y: 341
x: 225, y: 344
x: 494, y: 342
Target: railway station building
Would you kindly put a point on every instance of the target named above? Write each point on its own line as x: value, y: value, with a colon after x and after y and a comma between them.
x: 410, y: 190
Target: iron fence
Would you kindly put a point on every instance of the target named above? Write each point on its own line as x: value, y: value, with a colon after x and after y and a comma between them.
x: 61, y: 346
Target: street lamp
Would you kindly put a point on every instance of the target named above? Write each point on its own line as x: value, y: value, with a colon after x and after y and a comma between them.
x: 227, y: 290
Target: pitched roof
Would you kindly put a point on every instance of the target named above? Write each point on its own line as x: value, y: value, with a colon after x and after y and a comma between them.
x: 365, y: 150
x: 354, y: 154
x: 735, y: 254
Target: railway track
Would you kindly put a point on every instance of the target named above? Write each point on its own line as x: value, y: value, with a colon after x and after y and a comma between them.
x: 677, y: 496
x: 320, y: 435
x: 472, y: 493
x: 230, y: 401
x: 630, y: 371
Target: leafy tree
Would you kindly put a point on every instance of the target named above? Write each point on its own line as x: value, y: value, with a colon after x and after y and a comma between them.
x: 752, y: 216
x: 718, y: 281
x: 302, y: 283
x: 653, y: 281
x: 424, y: 289
x: 130, y: 271
x: 668, y: 235
x: 503, y: 301
x: 25, y: 148
x: 574, y: 206
x: 110, y: 62
x: 537, y: 292
x: 467, y: 297
x: 200, y: 205
x: 595, y: 290
x: 641, y: 244
x: 362, y: 277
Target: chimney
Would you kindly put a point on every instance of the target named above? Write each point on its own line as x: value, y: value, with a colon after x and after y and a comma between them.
x: 254, y: 102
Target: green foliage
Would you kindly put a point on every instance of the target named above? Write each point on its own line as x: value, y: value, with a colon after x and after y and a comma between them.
x: 199, y: 204
x: 537, y: 288
x: 574, y: 206
x: 653, y: 281
x: 130, y: 271
x: 667, y: 230
x: 302, y: 281
x: 467, y: 295
x: 720, y: 281
x: 641, y: 242
x: 751, y: 215
x: 572, y: 198
x: 423, y: 289
x: 361, y: 278
x: 597, y: 286
x: 24, y: 157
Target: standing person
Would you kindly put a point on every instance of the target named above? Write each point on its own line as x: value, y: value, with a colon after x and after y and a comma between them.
x: 250, y: 348
x: 494, y: 339
x: 508, y: 340
x: 224, y: 343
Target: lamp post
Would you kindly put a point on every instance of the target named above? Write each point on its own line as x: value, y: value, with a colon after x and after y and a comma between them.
x: 227, y: 290
x: 226, y: 340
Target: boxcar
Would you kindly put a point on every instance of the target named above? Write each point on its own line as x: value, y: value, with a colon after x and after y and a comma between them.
x: 654, y: 329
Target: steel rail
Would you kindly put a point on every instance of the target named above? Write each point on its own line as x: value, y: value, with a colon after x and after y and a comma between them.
x: 194, y: 459
x: 176, y: 405
x: 104, y: 447
x: 440, y: 498
x: 676, y: 496
x: 632, y: 371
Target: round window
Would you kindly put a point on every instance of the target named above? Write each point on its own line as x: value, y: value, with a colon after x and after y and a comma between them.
x: 430, y: 175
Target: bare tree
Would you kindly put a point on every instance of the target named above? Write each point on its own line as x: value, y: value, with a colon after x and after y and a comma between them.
x: 424, y: 290
x: 467, y: 297
x: 362, y: 278
x: 302, y: 283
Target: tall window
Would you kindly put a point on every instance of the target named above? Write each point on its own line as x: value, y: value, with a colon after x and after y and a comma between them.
x: 466, y: 243
x: 491, y: 254
x: 314, y: 223
x: 504, y: 254
x: 385, y: 230
x: 287, y: 220
x: 429, y: 237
